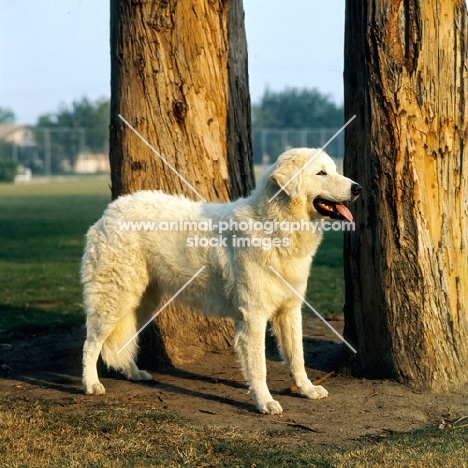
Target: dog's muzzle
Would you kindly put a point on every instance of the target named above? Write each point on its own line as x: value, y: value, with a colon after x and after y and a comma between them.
x: 334, y: 210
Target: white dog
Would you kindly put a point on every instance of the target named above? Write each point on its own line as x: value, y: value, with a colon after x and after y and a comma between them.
x: 252, y: 250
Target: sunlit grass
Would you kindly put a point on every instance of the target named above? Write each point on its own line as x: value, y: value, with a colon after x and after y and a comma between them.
x: 106, y: 434
x: 42, y: 229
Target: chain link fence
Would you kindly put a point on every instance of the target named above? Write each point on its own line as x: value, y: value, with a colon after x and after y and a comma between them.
x: 269, y: 143
x: 53, y: 151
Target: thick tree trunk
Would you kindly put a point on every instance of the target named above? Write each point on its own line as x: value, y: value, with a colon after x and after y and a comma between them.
x: 179, y: 77
x: 407, y: 262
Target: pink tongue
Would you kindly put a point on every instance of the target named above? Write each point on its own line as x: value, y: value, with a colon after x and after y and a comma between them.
x: 344, y: 212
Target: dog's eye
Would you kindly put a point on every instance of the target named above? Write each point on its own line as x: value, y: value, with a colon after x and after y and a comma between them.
x: 321, y: 173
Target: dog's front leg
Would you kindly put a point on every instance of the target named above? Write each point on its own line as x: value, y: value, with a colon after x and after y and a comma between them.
x: 287, y: 326
x: 250, y: 346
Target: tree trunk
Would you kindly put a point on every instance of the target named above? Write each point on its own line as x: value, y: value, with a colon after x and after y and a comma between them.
x: 407, y: 263
x: 179, y: 77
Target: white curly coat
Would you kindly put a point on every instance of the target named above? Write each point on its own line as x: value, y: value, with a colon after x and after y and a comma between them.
x: 125, y: 274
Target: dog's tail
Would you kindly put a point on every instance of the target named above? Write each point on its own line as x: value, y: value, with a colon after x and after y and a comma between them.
x: 115, y: 307
x: 121, y: 347
x: 111, y: 312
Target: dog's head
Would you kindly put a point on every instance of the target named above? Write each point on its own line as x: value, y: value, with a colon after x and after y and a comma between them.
x: 311, y: 175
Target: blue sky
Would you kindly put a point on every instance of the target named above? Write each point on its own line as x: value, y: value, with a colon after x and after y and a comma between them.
x: 56, y: 51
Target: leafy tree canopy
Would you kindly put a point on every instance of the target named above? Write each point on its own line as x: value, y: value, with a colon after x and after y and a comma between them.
x: 296, y: 108
x: 7, y: 116
x: 93, y: 117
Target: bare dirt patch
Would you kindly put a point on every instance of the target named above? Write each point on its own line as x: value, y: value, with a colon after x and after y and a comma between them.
x: 212, y: 391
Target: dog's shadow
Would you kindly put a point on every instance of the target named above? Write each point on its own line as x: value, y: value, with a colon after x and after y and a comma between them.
x: 180, y: 389
x: 71, y: 385
x: 319, y: 355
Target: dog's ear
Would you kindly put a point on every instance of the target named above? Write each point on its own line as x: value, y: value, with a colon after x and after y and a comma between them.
x: 287, y: 176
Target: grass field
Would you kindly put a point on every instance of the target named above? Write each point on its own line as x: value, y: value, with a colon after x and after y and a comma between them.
x: 110, y: 434
x: 42, y: 228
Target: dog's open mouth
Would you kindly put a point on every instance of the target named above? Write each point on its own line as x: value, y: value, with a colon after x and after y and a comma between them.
x: 332, y: 209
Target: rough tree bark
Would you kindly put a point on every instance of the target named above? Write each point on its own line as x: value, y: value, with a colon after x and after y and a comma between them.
x: 407, y: 262
x: 179, y: 77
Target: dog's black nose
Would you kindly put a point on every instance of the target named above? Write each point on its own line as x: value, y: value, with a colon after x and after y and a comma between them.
x: 356, y: 189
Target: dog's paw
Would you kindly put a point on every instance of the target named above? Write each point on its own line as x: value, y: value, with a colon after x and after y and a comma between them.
x: 95, y: 389
x: 314, y: 392
x: 270, y: 407
x: 141, y: 375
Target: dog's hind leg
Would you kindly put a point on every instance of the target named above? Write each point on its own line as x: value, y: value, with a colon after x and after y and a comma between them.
x: 287, y: 326
x: 100, y: 338
x: 91, y: 351
x: 250, y: 346
x: 118, y: 344
x: 112, y: 331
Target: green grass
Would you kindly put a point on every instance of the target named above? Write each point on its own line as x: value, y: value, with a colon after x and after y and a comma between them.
x: 42, y: 229
x: 325, y: 288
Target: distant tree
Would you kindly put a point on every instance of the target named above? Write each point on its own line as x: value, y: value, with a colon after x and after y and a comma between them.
x: 8, y: 168
x: 7, y: 116
x: 91, y: 117
x: 296, y: 108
